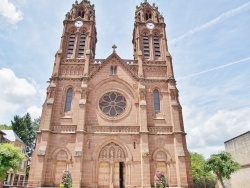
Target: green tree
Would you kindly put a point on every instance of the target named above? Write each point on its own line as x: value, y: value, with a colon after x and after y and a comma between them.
x: 222, y: 165
x: 26, y: 129
x: 5, y: 127
x: 201, y: 176
x: 10, y: 158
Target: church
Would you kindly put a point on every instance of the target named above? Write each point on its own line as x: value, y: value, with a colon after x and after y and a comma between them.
x: 111, y: 122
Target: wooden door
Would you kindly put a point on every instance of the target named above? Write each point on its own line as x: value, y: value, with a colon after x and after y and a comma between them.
x: 104, y: 174
x: 60, y: 167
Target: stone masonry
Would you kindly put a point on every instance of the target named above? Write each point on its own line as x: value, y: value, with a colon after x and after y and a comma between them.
x: 111, y: 122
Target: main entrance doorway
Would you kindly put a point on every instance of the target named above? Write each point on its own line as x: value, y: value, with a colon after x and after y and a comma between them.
x: 111, y: 167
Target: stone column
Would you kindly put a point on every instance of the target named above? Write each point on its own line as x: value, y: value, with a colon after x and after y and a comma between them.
x: 145, y: 165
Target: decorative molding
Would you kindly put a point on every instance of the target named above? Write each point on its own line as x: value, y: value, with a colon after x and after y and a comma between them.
x: 73, y: 61
x: 64, y: 128
x: 155, y: 63
x: 160, y: 130
x: 112, y: 129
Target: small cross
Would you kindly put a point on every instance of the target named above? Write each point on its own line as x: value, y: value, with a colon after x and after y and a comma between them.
x: 114, y: 47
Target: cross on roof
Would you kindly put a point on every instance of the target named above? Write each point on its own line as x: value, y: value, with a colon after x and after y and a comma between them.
x: 114, y: 47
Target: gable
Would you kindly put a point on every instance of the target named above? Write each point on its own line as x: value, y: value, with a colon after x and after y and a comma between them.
x: 127, y: 66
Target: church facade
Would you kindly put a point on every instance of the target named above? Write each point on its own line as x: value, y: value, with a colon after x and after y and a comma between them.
x: 111, y: 122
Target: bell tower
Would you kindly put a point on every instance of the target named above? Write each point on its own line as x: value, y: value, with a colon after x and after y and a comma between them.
x: 78, y: 41
x: 149, y: 38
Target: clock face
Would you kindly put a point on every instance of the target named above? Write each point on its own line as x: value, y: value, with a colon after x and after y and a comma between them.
x: 78, y: 23
x: 150, y: 25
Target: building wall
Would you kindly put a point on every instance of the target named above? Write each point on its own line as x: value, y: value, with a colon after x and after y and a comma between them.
x: 239, y: 148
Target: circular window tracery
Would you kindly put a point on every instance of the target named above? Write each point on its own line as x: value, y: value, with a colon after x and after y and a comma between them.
x: 112, y: 104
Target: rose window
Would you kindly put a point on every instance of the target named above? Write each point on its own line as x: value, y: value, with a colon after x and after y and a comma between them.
x: 112, y: 104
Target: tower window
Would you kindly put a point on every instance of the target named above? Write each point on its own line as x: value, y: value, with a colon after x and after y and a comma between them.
x: 81, y: 13
x: 146, y: 47
x: 148, y: 15
x: 81, y: 45
x: 68, y: 99
x: 71, y: 45
x: 157, y: 47
x: 156, y: 101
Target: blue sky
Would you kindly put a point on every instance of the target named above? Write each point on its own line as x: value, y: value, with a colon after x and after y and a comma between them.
x: 208, y: 40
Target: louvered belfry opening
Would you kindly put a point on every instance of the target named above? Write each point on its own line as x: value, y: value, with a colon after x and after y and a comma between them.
x: 71, y: 45
x: 81, y: 45
x: 157, y: 47
x: 146, y: 47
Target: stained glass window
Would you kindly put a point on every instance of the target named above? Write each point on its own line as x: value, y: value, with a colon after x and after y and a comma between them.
x: 156, y: 101
x: 112, y: 104
x: 68, y: 99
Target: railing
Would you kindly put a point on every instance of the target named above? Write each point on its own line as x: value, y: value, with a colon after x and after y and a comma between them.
x: 21, y: 184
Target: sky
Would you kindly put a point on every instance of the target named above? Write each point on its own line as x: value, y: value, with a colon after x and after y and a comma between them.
x: 209, y: 42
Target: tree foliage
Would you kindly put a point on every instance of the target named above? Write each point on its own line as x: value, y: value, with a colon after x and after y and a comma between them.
x: 26, y: 129
x: 5, y: 127
x: 10, y: 158
x: 222, y: 165
x: 201, y: 176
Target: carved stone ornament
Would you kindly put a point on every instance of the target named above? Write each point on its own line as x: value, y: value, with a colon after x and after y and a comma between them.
x: 181, y: 152
x: 50, y: 101
x: 82, y: 102
x: 143, y: 103
x: 78, y: 153
x: 145, y: 153
x: 41, y: 152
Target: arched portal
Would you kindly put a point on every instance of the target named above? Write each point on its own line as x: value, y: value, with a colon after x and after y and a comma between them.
x: 111, y: 166
x: 162, y: 161
x: 61, y: 159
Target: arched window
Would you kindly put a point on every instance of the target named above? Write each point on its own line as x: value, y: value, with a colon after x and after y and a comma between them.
x: 146, y: 47
x: 89, y: 144
x: 68, y: 99
x: 156, y: 101
x: 113, y: 70
x: 71, y: 45
x: 157, y: 47
x: 81, y: 45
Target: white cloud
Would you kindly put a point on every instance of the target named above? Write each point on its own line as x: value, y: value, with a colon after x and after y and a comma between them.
x: 35, y: 112
x: 16, y: 93
x: 220, y: 18
x: 10, y: 12
x: 216, y: 68
x: 207, y: 133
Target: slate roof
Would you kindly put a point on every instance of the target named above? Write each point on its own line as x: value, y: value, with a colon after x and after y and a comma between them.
x: 11, y: 136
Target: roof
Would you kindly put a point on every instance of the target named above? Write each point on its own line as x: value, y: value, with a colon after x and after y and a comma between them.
x: 2, y: 132
x: 11, y: 136
x: 237, y: 136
